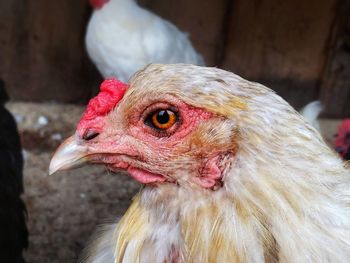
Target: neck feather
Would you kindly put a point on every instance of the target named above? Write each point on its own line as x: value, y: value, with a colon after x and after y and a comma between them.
x: 245, y: 226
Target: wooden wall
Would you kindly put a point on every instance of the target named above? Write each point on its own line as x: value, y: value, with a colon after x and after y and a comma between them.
x: 335, y: 84
x: 281, y: 44
x: 299, y: 48
x: 42, y: 54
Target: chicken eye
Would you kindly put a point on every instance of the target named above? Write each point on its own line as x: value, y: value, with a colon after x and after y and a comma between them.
x: 163, y: 119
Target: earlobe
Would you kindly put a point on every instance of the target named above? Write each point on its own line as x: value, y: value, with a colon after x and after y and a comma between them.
x: 210, y: 174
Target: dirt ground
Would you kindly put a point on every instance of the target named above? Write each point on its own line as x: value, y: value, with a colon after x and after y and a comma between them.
x: 64, y: 209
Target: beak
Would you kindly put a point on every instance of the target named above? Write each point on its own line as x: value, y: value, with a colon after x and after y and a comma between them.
x: 69, y: 155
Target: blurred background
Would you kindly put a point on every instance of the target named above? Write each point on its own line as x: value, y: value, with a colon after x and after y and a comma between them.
x: 301, y: 49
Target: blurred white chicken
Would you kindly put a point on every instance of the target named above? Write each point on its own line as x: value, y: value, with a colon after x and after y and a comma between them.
x: 122, y: 38
x: 311, y: 112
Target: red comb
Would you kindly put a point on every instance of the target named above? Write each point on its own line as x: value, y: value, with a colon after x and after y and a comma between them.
x: 111, y: 92
x: 97, y: 4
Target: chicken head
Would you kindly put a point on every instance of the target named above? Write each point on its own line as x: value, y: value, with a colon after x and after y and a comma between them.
x: 151, y: 133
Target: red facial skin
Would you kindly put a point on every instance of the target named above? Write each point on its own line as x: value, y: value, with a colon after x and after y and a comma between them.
x: 127, y: 149
x: 98, y: 4
x: 190, y: 117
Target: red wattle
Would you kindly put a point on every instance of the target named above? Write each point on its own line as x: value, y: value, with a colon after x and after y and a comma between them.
x: 144, y: 177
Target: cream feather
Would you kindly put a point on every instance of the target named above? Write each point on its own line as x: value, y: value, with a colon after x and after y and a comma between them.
x: 285, y: 194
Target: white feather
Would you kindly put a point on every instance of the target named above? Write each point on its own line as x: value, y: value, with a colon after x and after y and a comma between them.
x: 310, y: 112
x: 122, y: 38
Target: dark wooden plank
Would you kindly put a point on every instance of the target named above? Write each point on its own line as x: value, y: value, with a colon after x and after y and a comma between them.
x: 281, y: 44
x: 42, y: 50
x: 335, y: 89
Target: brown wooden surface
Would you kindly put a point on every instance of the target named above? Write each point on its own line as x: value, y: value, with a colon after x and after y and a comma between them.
x: 335, y: 88
x: 42, y: 54
x: 299, y: 48
x: 281, y: 44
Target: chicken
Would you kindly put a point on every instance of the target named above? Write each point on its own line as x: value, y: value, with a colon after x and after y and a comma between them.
x: 13, y: 230
x: 232, y: 172
x: 122, y: 38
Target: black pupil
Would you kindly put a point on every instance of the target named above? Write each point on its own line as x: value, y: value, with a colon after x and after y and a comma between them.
x: 163, y: 117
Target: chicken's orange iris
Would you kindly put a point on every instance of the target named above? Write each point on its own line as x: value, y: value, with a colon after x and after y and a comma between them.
x: 163, y: 119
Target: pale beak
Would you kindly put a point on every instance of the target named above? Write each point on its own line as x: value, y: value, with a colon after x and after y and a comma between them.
x: 70, y: 154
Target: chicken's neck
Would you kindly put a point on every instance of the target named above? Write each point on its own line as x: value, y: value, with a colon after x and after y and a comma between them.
x: 120, y: 12
x: 170, y: 224
x: 120, y: 5
x: 174, y: 224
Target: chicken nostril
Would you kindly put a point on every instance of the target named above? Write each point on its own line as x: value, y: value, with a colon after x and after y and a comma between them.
x: 90, y: 134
